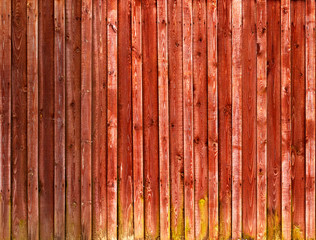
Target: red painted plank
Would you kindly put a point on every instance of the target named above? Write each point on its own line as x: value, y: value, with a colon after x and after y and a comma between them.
x: 211, y: 15
x: 137, y: 101
x: 249, y: 123
x: 262, y: 119
x: 298, y: 118
x: 274, y: 131
x: 225, y: 117
x: 125, y: 158
x: 236, y: 119
x: 151, y: 147
x: 5, y: 120
x: 46, y: 119
x: 99, y: 83
x: 310, y: 119
x: 286, y: 118
x: 19, y: 120
x: 176, y: 118
x: 59, y: 123
x: 188, y: 119
x: 200, y: 120
x: 163, y: 106
x: 73, y: 88
x: 86, y: 119
x: 32, y: 119
x: 112, y: 119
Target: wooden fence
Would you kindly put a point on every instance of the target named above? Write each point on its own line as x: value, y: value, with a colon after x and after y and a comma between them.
x: 157, y: 119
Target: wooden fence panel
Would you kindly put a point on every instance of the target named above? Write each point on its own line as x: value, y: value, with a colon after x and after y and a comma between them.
x: 157, y: 119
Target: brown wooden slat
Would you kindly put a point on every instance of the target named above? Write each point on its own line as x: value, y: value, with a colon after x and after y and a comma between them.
x: 5, y: 120
x: 73, y: 88
x: 19, y: 120
x: 32, y: 119
x: 175, y: 50
x: 310, y: 119
x: 99, y: 116
x: 261, y: 119
x: 112, y: 119
x: 236, y: 119
x: 86, y: 119
x: 163, y: 107
x: 286, y: 118
x: 225, y: 117
x: 298, y: 118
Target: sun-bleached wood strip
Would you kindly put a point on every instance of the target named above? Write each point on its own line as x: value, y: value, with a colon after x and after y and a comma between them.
x: 32, y: 119
x: 99, y: 141
x: 5, y: 120
x: 236, y: 118
x: 137, y: 102
x: 261, y: 119
x: 310, y: 119
x: 188, y: 119
x: 86, y: 119
x: 249, y: 123
x: 59, y: 123
x: 176, y: 117
x: 211, y: 15
x: 19, y: 120
x: 112, y: 120
x: 163, y: 109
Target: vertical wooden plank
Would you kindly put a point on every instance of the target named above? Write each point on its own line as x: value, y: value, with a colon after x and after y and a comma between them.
x: 225, y: 117
x: 211, y: 15
x: 187, y: 63
x: 298, y: 118
x: 249, y: 123
x: 59, y: 123
x: 310, y: 119
x: 32, y: 119
x: 99, y: 143
x: 286, y: 118
x: 19, y: 120
x: 73, y: 87
x: 200, y: 119
x: 86, y: 119
x: 163, y: 106
x: 46, y: 119
x: 125, y: 158
x: 261, y: 119
x: 236, y: 118
x: 274, y: 131
x: 151, y: 145
x: 112, y: 120
x: 176, y: 117
x: 5, y: 119
x: 137, y: 101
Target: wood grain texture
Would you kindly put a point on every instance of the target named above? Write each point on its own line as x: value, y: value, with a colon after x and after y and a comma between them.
x: 19, y: 120
x: 225, y: 117
x: 32, y: 119
x: 262, y: 119
x: 163, y: 109
x: 187, y: 16
x: 112, y: 94
x: 99, y: 117
x: 175, y: 49
x: 286, y: 118
x: 73, y: 106
x: 237, y: 119
x: 86, y: 119
x: 5, y: 120
x: 310, y: 119
x: 298, y: 77
x: 46, y: 119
